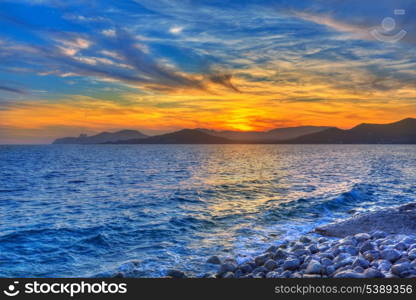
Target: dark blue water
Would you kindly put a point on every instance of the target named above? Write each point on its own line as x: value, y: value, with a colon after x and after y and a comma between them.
x: 87, y: 210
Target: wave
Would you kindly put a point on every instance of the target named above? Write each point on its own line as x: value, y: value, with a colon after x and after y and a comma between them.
x: 313, y: 206
x: 191, y: 222
x: 45, y: 232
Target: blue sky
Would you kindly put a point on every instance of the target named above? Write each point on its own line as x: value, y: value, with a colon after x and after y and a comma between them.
x: 163, y: 65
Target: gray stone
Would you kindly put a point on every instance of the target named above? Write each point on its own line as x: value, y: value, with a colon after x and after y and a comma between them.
x: 296, y: 275
x: 408, y: 240
x: 412, y: 254
x: 208, y: 275
x: 260, y: 260
x: 259, y: 275
x: 238, y: 273
x: 346, y: 262
x: 329, y: 270
x: 408, y: 274
x: 271, y: 265
x: 286, y: 274
x: 176, y: 274
x: 227, y: 267
x: 341, y: 257
x: 348, y: 274
x: 361, y: 262
x: 246, y: 268
x: 399, y: 269
x: 348, y: 240
x: 326, y: 261
x: 322, y: 240
x: 214, y: 260
x: 401, y: 246
x: 305, y: 240
x: 271, y: 249
x: 403, y: 259
x: 396, y: 220
x: 371, y: 255
x: 349, y: 249
x: 327, y: 255
x: 260, y: 270
x: 311, y: 276
x: 390, y: 255
x: 384, y: 265
x: 366, y: 246
x: 273, y: 275
x: 323, y: 248
x: 313, y: 249
x: 361, y: 237
x: 334, y: 251
x: 378, y: 234
x: 314, y: 267
x: 291, y: 264
x: 298, y: 246
x: 373, y: 273
x: 280, y: 254
x: 301, y: 252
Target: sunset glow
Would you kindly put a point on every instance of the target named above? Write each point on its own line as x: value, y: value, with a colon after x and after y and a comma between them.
x: 167, y: 66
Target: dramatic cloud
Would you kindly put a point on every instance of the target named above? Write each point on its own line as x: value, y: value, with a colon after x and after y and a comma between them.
x: 168, y: 64
x: 12, y: 90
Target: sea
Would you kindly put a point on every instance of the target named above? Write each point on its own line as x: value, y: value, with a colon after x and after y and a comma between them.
x: 139, y: 210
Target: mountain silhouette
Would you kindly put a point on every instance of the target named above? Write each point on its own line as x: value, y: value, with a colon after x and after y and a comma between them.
x: 402, y: 132
x: 103, y: 137
x: 184, y: 136
x: 266, y: 136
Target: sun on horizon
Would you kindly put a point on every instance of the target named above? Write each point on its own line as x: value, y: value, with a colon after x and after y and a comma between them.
x: 159, y: 68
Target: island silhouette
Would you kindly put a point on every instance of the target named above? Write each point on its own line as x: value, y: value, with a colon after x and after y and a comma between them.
x: 401, y: 132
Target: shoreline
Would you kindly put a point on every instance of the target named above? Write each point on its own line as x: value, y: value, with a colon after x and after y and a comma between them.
x: 379, y: 244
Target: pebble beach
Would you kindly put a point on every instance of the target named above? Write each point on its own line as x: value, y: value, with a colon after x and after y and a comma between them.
x: 373, y: 254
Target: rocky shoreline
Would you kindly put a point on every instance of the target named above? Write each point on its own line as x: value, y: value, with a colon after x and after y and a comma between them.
x: 386, y: 249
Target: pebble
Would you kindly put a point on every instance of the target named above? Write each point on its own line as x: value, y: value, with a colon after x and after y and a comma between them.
x: 348, y: 274
x: 361, y: 262
x: 260, y: 260
x: 399, y: 269
x: 227, y: 267
x: 176, y: 274
x: 246, y: 268
x: 373, y: 273
x: 378, y: 235
x: 228, y: 275
x: 366, y: 246
x: 374, y: 255
x: 291, y: 264
x: 314, y: 267
x: 280, y: 254
x: 361, y: 237
x: 305, y: 240
x: 271, y: 265
x: 390, y: 255
x: 412, y: 254
x: 214, y: 260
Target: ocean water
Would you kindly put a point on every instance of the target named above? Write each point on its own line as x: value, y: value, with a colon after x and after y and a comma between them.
x: 93, y: 210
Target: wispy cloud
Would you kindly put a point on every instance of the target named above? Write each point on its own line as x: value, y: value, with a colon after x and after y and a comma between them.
x: 222, y: 64
x: 12, y: 90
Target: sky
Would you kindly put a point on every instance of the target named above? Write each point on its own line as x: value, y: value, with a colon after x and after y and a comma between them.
x: 86, y: 66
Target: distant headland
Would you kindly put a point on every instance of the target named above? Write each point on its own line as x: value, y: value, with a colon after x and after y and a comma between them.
x: 401, y: 132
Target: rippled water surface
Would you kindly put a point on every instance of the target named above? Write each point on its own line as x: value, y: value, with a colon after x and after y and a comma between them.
x: 92, y: 210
